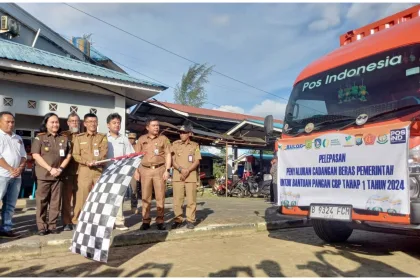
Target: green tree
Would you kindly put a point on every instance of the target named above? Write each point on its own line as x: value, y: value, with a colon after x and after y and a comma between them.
x: 191, y: 91
x: 219, y: 165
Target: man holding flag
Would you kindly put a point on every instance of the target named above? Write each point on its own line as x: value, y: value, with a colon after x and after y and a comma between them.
x: 89, y: 148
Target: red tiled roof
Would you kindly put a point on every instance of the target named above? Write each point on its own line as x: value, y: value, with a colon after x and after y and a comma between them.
x: 212, y: 113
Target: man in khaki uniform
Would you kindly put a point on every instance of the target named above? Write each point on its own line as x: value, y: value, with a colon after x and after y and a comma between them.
x: 134, y: 189
x: 153, y: 171
x: 70, y: 176
x: 89, y: 147
x: 186, y: 158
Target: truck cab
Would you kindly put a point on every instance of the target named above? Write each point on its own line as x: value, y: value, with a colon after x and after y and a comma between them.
x: 349, y: 156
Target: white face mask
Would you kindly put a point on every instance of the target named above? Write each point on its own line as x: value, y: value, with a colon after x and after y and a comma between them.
x: 74, y: 129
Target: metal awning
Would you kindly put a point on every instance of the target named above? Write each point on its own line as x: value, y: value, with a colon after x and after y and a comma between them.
x: 138, y: 125
x: 253, y: 128
x: 176, y: 117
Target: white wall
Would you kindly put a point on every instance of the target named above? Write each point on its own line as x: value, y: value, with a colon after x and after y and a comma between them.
x: 21, y: 93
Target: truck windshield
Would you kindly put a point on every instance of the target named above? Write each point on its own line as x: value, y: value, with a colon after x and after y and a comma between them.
x: 374, y: 85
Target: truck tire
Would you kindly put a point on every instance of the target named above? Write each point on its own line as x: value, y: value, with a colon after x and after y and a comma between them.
x: 332, y: 231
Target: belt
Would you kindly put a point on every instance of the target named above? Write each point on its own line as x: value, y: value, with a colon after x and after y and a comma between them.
x: 153, y: 166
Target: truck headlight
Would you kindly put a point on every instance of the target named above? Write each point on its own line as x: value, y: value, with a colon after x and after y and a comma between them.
x: 414, y: 156
x: 414, y: 169
x: 414, y: 187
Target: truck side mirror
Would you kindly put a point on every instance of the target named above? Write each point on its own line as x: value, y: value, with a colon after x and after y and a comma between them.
x: 268, y: 125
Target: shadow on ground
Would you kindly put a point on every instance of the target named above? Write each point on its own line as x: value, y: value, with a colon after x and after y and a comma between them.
x: 24, y: 225
x: 270, y: 268
x: 135, y: 220
x: 89, y: 270
x: 95, y: 269
x: 360, y: 243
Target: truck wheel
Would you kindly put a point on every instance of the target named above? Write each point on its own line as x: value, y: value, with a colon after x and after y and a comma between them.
x: 332, y: 231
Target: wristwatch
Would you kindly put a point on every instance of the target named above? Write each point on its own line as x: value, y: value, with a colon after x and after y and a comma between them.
x: 168, y: 170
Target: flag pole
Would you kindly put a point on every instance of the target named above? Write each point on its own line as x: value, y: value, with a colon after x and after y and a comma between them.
x: 119, y: 158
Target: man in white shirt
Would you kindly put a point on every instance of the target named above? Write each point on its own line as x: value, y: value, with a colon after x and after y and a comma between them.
x: 12, y: 163
x: 118, y: 145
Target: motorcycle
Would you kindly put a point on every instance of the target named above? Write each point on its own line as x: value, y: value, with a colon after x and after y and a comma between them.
x: 234, y: 188
x: 257, y: 186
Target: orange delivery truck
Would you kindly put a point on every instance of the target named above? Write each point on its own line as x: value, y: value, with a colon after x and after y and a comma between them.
x: 349, y: 154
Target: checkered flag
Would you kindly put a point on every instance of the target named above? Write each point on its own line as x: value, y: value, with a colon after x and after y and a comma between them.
x: 92, y: 237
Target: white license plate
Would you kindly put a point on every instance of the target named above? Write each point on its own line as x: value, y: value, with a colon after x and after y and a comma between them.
x: 330, y: 212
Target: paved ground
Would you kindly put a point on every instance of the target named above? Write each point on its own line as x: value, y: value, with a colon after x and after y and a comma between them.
x: 215, y: 217
x: 290, y: 252
x: 211, y: 210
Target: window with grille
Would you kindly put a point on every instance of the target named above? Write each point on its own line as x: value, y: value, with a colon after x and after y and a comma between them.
x: 53, y: 107
x: 73, y: 109
x: 7, y: 101
x: 31, y: 104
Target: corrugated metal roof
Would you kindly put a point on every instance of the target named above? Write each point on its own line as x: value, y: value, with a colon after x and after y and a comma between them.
x: 212, y: 113
x: 96, y: 55
x: 18, y: 52
x: 207, y: 154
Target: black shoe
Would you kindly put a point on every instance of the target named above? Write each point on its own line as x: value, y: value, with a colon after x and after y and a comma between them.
x: 144, y: 226
x: 161, y: 226
x: 53, y: 231
x: 190, y: 225
x: 43, y: 232
x: 68, y: 227
x: 9, y: 234
x: 176, y: 225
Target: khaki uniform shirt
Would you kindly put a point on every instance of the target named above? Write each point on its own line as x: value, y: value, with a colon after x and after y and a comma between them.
x: 53, y: 149
x: 73, y: 166
x: 185, y: 154
x: 89, y: 147
x: 156, y: 149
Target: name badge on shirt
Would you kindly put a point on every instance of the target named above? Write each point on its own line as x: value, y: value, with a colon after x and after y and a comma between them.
x: 96, y: 153
x: 61, y: 150
x: 190, y: 158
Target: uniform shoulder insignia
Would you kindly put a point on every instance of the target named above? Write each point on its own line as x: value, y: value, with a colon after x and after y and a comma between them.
x: 41, y: 133
x: 64, y: 133
x: 176, y: 142
x: 80, y: 134
x: 104, y: 138
x: 197, y: 147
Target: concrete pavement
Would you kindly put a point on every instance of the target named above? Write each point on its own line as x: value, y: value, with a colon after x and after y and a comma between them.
x: 288, y: 252
x: 216, y: 217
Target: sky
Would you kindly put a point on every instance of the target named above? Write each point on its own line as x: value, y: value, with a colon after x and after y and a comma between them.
x: 264, y: 45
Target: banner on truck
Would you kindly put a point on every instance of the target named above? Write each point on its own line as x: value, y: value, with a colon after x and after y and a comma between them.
x: 366, y: 168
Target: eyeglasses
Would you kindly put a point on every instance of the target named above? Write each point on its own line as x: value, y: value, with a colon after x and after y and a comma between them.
x: 74, y: 121
x: 91, y: 122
